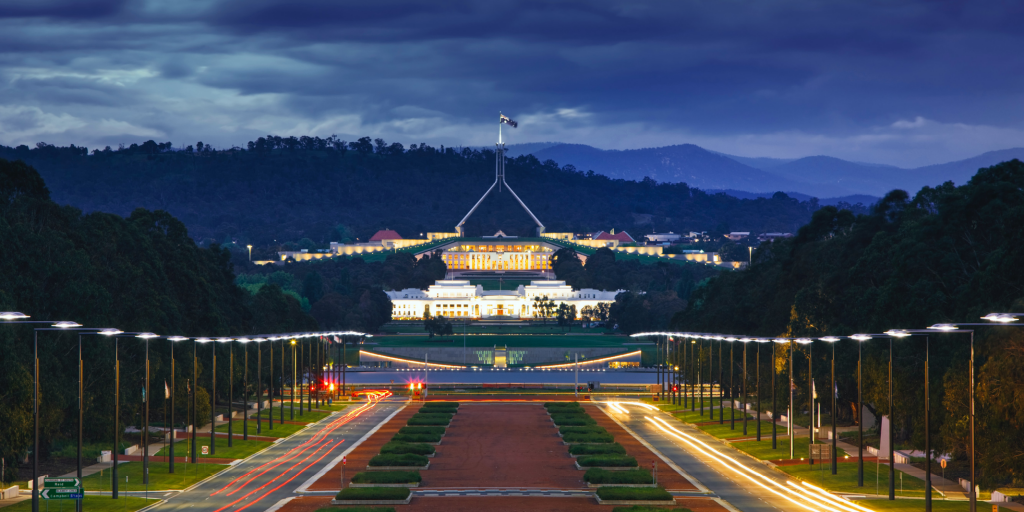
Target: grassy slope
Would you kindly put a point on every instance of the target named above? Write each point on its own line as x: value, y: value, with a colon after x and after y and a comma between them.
x: 239, y: 450
x: 159, y: 479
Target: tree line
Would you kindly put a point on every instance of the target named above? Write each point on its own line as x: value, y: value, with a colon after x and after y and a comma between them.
x: 947, y: 254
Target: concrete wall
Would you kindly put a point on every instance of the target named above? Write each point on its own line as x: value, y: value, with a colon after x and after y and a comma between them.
x: 477, y: 356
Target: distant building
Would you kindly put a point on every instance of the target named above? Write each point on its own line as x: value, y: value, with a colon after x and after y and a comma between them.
x: 738, y: 235
x: 385, y: 234
x: 659, y: 238
x: 622, y: 237
x: 459, y: 299
x: 771, y: 237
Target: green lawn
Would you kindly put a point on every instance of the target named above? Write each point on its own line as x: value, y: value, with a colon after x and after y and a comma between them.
x: 846, y: 479
x: 90, y: 503
x: 724, y: 432
x: 239, y: 450
x: 763, y: 450
x: 280, y: 430
x: 937, y: 505
x: 159, y: 479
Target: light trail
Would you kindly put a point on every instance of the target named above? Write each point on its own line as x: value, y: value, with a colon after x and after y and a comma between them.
x: 290, y: 479
x: 250, y: 493
x: 409, y: 361
x: 591, y: 361
x: 794, y: 497
x: 825, y: 494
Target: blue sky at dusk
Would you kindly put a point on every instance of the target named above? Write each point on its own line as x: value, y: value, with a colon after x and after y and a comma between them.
x: 907, y: 83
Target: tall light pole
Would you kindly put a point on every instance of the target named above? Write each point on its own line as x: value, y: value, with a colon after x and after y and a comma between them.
x: 173, y: 340
x: 775, y: 412
x: 294, y: 368
x: 213, y: 398
x: 732, y: 386
x: 810, y: 394
x: 860, y: 338
x: 250, y: 253
x: 245, y: 388
x: 231, y: 387
x: 744, y: 391
x: 259, y: 384
x: 146, y: 336
x: 834, y: 391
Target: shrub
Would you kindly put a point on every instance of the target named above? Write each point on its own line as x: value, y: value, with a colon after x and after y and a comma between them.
x: 403, y: 447
x: 642, y: 508
x: 589, y: 429
x: 374, y: 493
x: 422, y: 430
x: 451, y: 405
x: 442, y: 421
x: 431, y: 416
x: 588, y: 438
x: 356, y: 508
x: 416, y: 438
x: 387, y: 477
x: 399, y: 459
x: 551, y: 406
x: 633, y: 493
x: 572, y: 420
x: 603, y: 476
x: 612, y: 461
x: 597, y: 449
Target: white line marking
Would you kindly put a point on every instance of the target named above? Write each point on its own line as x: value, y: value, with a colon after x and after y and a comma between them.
x: 277, y: 506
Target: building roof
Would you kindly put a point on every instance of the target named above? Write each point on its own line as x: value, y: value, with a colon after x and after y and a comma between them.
x: 385, y: 234
x: 621, y: 236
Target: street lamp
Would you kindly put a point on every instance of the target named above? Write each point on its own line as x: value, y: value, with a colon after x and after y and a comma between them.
x: 245, y: 389
x: 860, y: 338
x: 250, y: 253
x: 834, y: 391
x: 231, y: 386
x: 213, y: 398
x: 173, y: 340
x: 259, y: 384
x: 810, y: 394
x: 293, y: 380
x: 775, y: 412
x: 145, y: 336
x: 892, y: 333
x: 757, y: 386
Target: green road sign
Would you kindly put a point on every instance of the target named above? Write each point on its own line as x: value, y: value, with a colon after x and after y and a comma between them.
x: 61, y: 494
x: 61, y: 483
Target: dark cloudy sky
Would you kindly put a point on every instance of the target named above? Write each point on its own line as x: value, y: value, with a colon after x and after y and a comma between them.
x: 903, y: 82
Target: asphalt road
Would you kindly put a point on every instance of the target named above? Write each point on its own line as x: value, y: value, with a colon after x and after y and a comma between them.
x: 747, y: 485
x: 264, y: 479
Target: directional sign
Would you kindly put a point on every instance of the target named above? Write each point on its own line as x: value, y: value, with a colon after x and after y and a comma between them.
x: 206, y: 450
x: 61, y: 494
x: 61, y: 483
x: 942, y: 462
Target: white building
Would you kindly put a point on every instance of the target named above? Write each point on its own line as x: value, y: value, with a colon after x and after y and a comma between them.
x: 658, y: 238
x: 459, y: 299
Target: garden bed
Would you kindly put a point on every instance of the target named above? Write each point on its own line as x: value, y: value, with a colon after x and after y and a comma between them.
x: 588, y: 429
x: 422, y: 430
x: 417, y: 438
x: 386, y: 479
x: 429, y: 421
x: 404, y: 461
x: 633, y: 496
x: 374, y: 496
x: 577, y: 450
x: 399, y: 447
x: 607, y: 462
x: 597, y: 477
x: 588, y: 438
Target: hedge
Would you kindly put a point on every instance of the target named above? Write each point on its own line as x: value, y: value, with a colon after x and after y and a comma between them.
x: 422, y: 430
x: 638, y: 508
x: 633, y: 493
x: 375, y: 493
x: 388, y: 477
x: 597, y: 449
x: 574, y: 420
x: 588, y: 438
x: 403, y: 447
x: 443, y: 421
x: 399, y: 459
x: 589, y: 429
x: 356, y: 508
x: 454, y: 405
x: 432, y: 414
x: 612, y: 461
x: 562, y: 405
x: 416, y: 438
x: 632, y: 476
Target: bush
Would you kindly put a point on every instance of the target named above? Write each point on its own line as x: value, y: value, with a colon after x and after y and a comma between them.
x: 572, y: 420
x: 416, y: 438
x: 403, y: 447
x: 422, y: 430
x: 401, y: 459
x: 633, y: 493
x: 588, y: 438
x: 603, y: 476
x: 642, y: 508
x: 551, y: 406
x: 374, y: 493
x: 612, y: 461
x: 440, y: 421
x: 589, y: 429
x: 434, y: 414
x: 454, y: 405
x: 597, y: 449
x: 356, y: 508
x: 387, y: 477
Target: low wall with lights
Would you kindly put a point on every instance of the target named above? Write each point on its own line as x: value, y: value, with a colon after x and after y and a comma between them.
x: 514, y: 356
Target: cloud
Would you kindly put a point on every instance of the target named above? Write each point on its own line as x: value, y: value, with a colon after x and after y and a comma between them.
x: 908, y: 82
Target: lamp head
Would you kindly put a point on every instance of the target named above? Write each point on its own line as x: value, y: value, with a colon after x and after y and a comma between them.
x: 223, y: 340
x: 203, y: 340
x: 830, y: 339
x: 146, y: 335
x: 781, y: 340
x: 243, y: 340
x: 1004, y: 318
x: 258, y: 340
x: 804, y: 341
x: 861, y: 337
x: 12, y: 315
x: 944, y: 327
x: 66, y: 325
x: 109, y: 331
x: 898, y: 333
x: 177, y: 338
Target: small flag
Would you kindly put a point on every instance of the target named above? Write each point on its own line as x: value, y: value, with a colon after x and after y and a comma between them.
x: 836, y: 389
x: 814, y: 389
x: 505, y: 119
x: 167, y: 390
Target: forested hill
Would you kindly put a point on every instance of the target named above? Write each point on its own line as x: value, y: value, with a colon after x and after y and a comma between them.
x: 325, y: 189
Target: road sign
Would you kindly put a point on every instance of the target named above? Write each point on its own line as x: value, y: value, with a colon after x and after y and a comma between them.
x: 344, y: 460
x: 942, y: 462
x: 61, y: 494
x: 206, y: 450
x: 60, y: 483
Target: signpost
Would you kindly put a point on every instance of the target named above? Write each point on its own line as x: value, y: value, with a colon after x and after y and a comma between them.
x: 343, y: 461
x: 206, y: 450
x: 61, y: 489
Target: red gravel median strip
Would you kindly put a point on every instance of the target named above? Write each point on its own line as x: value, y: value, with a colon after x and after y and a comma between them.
x: 667, y: 477
x: 502, y: 445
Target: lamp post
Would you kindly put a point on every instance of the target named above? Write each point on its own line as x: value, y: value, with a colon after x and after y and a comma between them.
x: 810, y: 395
x: 213, y: 398
x: 259, y: 384
x: 732, y: 386
x: 245, y: 388
x: 789, y: 424
x: 834, y: 391
x: 892, y: 463
x: 721, y: 384
x: 231, y: 387
x: 757, y: 376
x: 145, y: 336
x: 775, y: 411
x: 927, y: 411
x: 860, y: 338
x: 173, y: 340
x: 744, y: 391
x: 294, y: 367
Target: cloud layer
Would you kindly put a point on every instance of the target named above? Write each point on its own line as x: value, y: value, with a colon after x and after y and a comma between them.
x: 901, y: 82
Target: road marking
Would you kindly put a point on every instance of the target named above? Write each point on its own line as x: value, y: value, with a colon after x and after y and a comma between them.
x: 277, y: 506
x: 303, y: 488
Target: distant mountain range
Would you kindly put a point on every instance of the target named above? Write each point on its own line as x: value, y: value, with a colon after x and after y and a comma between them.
x: 817, y: 176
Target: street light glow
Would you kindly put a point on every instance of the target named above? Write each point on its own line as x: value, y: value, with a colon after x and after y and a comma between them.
x: 12, y: 315
x: 1000, y: 317
x: 66, y: 325
x: 944, y: 327
x: 109, y: 332
x: 830, y: 339
x: 861, y: 337
x: 177, y: 338
x: 898, y: 333
x: 146, y: 335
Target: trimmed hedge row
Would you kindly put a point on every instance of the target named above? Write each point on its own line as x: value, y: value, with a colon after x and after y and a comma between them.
x: 576, y: 420
x: 634, y: 493
x: 403, y: 447
x: 588, y: 438
x: 611, y: 461
x: 416, y: 438
x: 429, y: 421
x: 454, y: 405
x: 590, y: 429
x: 374, y: 493
x: 356, y: 508
x: 422, y: 430
x: 551, y: 406
x: 399, y: 459
x: 632, y: 476
x: 387, y: 477
x: 597, y: 449
x: 635, y: 508
x: 433, y: 415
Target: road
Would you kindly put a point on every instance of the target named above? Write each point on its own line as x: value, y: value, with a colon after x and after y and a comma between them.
x: 747, y: 485
x: 266, y: 478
